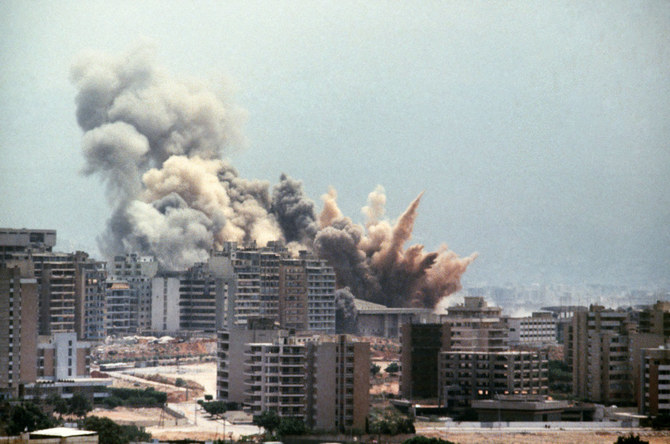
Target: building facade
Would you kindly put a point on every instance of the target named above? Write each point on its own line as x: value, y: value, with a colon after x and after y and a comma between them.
x: 18, y: 328
x: 467, y: 376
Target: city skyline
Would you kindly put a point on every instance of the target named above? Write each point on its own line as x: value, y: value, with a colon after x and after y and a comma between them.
x: 536, y: 132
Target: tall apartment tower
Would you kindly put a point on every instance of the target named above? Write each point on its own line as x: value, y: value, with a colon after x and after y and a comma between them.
x: 474, y: 325
x: 165, y: 302
x: 56, y: 276
x: 138, y: 271
x: 297, y: 292
x: 307, y: 295
x: 421, y: 345
x: 18, y: 327
x: 323, y: 380
x: 119, y: 319
x: 257, y: 272
x: 598, y: 342
x: 91, y: 285
x: 232, y: 347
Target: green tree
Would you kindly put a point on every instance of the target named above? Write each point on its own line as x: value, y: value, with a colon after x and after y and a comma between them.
x: 80, y: 405
x: 110, y: 432
x: 374, y: 369
x: 291, y: 427
x: 630, y: 439
x: 179, y: 382
x: 25, y: 417
x: 269, y: 420
x: 215, y: 408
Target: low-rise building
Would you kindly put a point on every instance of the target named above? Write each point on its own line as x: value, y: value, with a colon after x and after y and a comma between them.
x: 537, y: 330
x: 466, y: 376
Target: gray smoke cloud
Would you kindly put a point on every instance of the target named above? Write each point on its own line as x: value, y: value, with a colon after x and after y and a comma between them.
x: 294, y: 211
x: 158, y: 142
x: 345, y: 311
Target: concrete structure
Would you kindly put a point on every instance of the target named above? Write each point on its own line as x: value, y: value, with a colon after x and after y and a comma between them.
x: 138, y: 271
x: 537, y: 330
x: 467, y: 376
x: 378, y: 320
x: 656, y: 319
x: 119, y: 309
x: 655, y: 381
x: 519, y: 408
x: 320, y: 294
x: 91, y: 286
x: 475, y: 325
x: 61, y: 357
x: 299, y: 292
x: 198, y: 299
x: 323, y: 380
x: 420, y: 347
x: 597, y: 348
x: 18, y: 327
x: 232, y: 344
x: 165, y: 302
x: 13, y: 241
x: 64, y: 435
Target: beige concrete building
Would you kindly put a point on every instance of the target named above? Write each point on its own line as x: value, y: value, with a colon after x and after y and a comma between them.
x: 378, y: 320
x: 537, y: 330
x: 655, y: 381
x: 61, y: 356
x: 138, y: 271
x: 467, y: 376
x: 18, y: 327
x: 232, y: 344
x: 598, y: 344
x: 323, y: 380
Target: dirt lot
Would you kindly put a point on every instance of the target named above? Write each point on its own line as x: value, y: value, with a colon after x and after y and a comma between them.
x: 557, y: 437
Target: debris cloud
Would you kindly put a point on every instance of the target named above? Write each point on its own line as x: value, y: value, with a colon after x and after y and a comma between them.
x: 159, y: 143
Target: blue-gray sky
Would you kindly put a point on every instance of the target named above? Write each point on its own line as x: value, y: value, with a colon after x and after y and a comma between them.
x: 539, y: 131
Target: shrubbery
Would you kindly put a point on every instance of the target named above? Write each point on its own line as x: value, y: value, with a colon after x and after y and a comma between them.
x: 135, y: 398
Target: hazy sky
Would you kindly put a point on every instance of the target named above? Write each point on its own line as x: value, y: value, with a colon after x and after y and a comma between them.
x: 539, y: 131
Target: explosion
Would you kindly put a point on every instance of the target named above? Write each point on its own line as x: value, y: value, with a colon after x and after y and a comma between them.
x: 158, y: 143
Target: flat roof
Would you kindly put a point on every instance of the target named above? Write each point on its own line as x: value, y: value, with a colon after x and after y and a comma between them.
x: 62, y: 432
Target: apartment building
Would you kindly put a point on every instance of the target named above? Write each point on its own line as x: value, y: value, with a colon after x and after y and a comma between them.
x: 15, y: 241
x: 18, y: 327
x: 61, y: 356
x: 198, y: 299
x: 598, y: 345
x: 537, y: 330
x: 465, y: 376
x: 421, y: 345
x: 138, y: 271
x: 91, y: 286
x: 656, y: 319
x: 165, y: 302
x: 474, y: 325
x: 120, y: 306
x: 297, y: 292
x: 323, y: 380
x: 232, y: 344
x: 655, y: 381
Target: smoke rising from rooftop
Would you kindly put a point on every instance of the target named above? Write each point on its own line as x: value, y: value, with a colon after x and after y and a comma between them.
x: 158, y: 143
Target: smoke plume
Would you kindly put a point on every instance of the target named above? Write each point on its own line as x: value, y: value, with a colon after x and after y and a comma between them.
x: 345, y: 311
x: 158, y: 143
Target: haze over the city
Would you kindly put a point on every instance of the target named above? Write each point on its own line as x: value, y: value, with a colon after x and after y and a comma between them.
x: 538, y: 133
